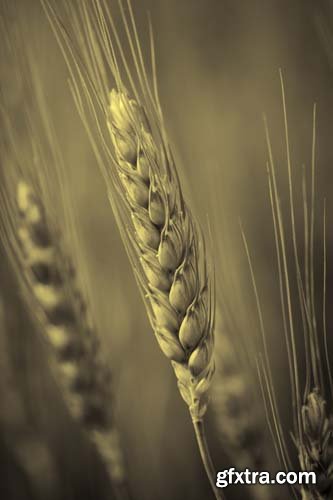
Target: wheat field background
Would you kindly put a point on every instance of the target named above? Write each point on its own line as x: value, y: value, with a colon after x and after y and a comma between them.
x: 217, y: 66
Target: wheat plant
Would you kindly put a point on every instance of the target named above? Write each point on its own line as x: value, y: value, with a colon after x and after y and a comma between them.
x: 164, y: 242
x: 38, y: 233
x: 312, y: 418
x: 316, y: 449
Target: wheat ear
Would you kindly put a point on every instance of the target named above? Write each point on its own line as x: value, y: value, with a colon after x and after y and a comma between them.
x: 164, y: 243
x: 177, y: 291
x: 171, y: 261
x: 33, y: 198
x: 316, y: 449
x: 82, y: 374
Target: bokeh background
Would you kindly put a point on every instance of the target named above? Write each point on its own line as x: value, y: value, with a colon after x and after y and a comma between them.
x: 217, y: 63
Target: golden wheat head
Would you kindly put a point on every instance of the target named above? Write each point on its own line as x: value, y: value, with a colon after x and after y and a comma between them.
x: 164, y: 242
x: 171, y: 253
x: 316, y: 449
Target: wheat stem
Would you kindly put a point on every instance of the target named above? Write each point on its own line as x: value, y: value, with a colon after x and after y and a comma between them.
x: 200, y: 435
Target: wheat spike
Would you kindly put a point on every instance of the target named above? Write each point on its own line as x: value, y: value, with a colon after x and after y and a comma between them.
x: 164, y: 242
x: 316, y: 449
x: 167, y: 251
x: 51, y: 291
x: 171, y: 249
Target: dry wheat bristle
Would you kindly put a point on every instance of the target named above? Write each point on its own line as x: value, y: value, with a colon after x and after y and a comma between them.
x: 316, y: 450
x: 170, y: 248
x: 64, y: 319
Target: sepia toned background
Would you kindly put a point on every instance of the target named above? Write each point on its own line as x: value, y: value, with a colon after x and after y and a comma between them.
x: 217, y: 64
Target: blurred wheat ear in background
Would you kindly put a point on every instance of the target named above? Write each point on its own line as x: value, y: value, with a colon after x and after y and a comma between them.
x: 35, y: 208
x: 80, y: 371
